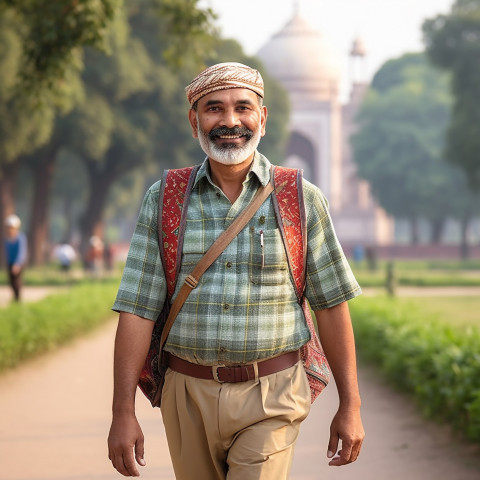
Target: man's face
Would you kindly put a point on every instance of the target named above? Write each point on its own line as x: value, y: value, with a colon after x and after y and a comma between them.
x: 229, y: 124
x: 12, y: 232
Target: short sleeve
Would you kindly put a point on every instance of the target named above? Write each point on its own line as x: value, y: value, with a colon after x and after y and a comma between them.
x: 329, y: 279
x: 142, y: 289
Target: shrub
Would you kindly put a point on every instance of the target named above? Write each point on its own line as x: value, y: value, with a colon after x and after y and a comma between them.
x: 438, y: 363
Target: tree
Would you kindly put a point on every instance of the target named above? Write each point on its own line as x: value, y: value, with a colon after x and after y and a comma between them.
x: 22, y: 128
x: 399, y: 145
x: 133, y: 114
x: 53, y: 35
x: 453, y: 43
x: 155, y: 131
x: 95, y: 126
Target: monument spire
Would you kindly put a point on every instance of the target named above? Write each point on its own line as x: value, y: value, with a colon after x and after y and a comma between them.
x: 296, y: 7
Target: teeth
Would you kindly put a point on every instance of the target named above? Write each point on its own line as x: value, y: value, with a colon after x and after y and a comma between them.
x: 228, y: 137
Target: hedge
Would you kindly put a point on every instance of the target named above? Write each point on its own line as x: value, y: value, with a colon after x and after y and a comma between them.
x: 27, y: 329
x: 436, y: 362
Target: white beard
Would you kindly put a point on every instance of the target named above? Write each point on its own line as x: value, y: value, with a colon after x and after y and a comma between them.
x: 228, y: 156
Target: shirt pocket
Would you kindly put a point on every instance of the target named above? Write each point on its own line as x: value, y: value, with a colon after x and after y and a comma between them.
x: 273, y: 269
x: 192, y: 253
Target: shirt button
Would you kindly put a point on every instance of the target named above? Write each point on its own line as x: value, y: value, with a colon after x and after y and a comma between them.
x: 223, y: 349
x: 229, y: 264
x: 226, y: 306
x: 261, y: 220
x: 218, y: 194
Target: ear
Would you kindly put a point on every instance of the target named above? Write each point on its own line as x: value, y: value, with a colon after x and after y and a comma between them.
x: 263, y: 119
x: 192, y: 117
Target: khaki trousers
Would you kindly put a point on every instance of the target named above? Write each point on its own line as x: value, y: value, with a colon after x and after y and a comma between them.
x: 234, y: 431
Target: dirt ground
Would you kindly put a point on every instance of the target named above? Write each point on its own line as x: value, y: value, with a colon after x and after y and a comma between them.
x: 55, y: 415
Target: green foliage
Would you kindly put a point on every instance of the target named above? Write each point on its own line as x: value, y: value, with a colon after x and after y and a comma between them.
x: 437, y: 363
x: 189, y: 28
x: 54, y: 34
x: 453, y: 43
x: 400, y: 143
x: 22, y: 127
x: 29, y: 329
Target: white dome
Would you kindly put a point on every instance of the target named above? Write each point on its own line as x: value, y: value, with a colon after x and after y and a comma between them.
x: 303, y: 60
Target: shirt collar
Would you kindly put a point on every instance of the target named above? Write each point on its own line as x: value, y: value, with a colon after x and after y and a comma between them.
x: 260, y: 168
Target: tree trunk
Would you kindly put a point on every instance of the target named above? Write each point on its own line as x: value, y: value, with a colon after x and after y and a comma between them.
x: 8, y: 175
x: 414, y: 231
x: 39, y: 223
x: 464, y: 247
x: 437, y: 230
x: 91, y: 222
x: 101, y: 177
x: 68, y: 213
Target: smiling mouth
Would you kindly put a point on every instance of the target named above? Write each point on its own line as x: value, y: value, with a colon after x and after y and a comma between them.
x: 230, y: 134
x: 229, y: 137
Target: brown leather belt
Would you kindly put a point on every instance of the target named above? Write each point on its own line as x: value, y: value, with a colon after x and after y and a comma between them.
x: 234, y: 374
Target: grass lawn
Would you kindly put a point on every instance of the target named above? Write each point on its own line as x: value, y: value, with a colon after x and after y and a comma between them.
x: 420, y: 273
x: 453, y: 310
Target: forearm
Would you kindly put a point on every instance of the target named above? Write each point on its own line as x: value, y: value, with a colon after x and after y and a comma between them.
x: 336, y: 335
x: 132, y: 342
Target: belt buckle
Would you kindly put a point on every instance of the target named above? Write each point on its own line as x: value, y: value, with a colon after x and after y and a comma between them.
x: 215, y: 373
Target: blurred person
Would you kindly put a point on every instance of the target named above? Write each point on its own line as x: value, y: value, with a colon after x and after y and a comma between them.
x: 65, y: 254
x: 94, y: 255
x: 358, y: 253
x: 219, y: 424
x: 108, y: 257
x: 16, y: 253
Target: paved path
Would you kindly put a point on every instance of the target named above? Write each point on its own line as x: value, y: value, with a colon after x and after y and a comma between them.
x: 28, y: 294
x: 55, y: 415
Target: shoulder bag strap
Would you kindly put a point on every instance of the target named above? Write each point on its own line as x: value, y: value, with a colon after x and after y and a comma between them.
x: 172, y: 214
x: 289, y: 208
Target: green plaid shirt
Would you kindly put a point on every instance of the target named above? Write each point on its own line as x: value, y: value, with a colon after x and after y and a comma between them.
x: 240, y: 311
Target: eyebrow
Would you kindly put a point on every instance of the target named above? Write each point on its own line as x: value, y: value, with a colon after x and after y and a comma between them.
x: 239, y: 102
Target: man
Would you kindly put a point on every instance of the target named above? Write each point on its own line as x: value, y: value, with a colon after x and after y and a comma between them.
x: 242, y: 311
x: 16, y: 253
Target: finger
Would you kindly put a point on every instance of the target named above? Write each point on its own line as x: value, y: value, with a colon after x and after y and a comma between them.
x: 118, y: 465
x: 337, y: 461
x: 342, y: 459
x: 332, y: 444
x: 356, y: 451
x: 139, y: 452
x: 129, y: 464
x: 346, y: 451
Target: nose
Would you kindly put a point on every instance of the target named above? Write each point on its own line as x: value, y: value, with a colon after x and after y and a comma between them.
x: 230, y: 118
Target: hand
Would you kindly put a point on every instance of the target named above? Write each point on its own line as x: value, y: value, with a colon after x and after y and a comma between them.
x: 347, y: 427
x: 16, y: 268
x: 125, y: 437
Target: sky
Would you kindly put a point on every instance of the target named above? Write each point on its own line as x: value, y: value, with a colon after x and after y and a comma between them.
x: 389, y: 28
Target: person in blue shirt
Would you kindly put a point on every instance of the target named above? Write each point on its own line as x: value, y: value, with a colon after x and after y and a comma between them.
x: 16, y: 253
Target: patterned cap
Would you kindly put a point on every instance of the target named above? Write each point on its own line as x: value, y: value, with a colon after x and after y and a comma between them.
x: 223, y: 76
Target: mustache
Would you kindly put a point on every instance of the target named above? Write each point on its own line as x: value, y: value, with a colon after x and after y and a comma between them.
x: 243, y: 131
